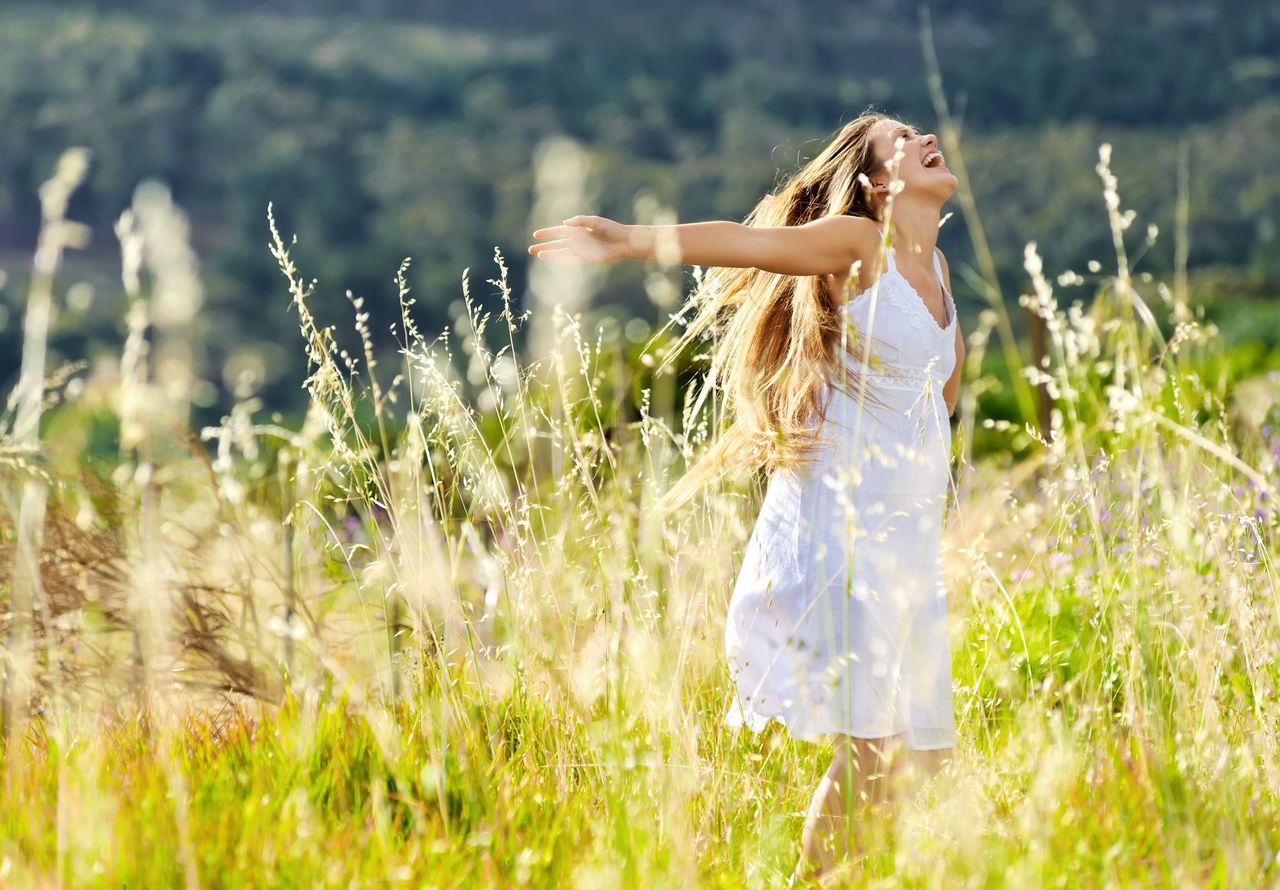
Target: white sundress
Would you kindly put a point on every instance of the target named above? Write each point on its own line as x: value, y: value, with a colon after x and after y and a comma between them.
x: 838, y: 619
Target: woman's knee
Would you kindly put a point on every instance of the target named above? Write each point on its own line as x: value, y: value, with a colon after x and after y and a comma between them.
x: 934, y: 759
x: 855, y: 749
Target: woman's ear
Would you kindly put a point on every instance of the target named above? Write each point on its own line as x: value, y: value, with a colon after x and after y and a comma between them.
x: 875, y: 193
x: 879, y: 192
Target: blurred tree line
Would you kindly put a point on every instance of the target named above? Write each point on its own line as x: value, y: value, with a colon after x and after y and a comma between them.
x: 389, y: 128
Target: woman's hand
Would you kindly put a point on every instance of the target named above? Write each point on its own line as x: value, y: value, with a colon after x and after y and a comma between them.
x: 584, y: 240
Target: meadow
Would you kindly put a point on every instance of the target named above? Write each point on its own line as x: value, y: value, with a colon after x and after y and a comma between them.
x: 437, y: 634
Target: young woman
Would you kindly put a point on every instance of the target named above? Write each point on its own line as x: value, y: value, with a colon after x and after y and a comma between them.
x: 837, y: 626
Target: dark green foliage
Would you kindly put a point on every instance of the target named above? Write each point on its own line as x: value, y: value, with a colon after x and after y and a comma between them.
x: 388, y: 128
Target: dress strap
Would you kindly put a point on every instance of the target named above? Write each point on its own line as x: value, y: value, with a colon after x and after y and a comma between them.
x: 946, y: 294
x: 888, y: 252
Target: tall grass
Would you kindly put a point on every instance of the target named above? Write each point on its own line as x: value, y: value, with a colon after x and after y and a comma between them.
x: 439, y: 634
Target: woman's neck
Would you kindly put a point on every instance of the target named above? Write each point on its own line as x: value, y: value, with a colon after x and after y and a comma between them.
x: 914, y: 229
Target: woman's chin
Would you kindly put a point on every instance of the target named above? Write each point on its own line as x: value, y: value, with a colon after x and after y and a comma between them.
x: 943, y: 181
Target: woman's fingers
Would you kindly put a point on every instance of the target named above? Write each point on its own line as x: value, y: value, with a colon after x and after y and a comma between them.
x: 560, y: 255
x: 572, y: 228
x: 573, y: 222
x: 550, y: 231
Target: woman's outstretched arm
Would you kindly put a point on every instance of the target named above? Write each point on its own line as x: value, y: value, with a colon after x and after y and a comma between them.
x: 827, y: 245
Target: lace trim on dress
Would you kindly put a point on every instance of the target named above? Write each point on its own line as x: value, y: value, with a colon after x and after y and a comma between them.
x: 913, y: 306
x: 899, y: 299
x: 914, y: 379
x: 894, y: 377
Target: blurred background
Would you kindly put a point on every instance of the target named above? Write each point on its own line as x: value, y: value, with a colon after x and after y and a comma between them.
x: 384, y: 129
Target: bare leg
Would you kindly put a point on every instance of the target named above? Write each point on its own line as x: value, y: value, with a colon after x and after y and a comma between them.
x: 908, y: 773
x: 856, y: 783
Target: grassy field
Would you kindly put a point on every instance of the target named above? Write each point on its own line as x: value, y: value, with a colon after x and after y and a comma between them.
x: 439, y: 635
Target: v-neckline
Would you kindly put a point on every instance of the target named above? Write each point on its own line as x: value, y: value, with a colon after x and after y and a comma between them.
x: 941, y: 329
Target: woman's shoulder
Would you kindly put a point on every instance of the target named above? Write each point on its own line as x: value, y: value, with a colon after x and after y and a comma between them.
x: 866, y: 236
x: 863, y: 235
x: 862, y: 229
x: 859, y: 236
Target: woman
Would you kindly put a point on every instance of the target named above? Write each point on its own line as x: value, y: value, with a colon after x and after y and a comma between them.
x: 837, y: 626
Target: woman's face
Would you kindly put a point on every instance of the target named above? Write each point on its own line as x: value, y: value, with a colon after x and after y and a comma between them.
x: 935, y: 180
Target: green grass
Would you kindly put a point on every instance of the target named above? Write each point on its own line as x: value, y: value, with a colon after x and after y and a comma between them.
x: 467, y: 651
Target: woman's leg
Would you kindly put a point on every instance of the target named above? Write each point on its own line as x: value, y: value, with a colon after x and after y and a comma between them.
x: 907, y: 773
x: 857, y: 782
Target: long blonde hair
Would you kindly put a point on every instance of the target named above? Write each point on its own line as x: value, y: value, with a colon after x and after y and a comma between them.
x: 777, y: 336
